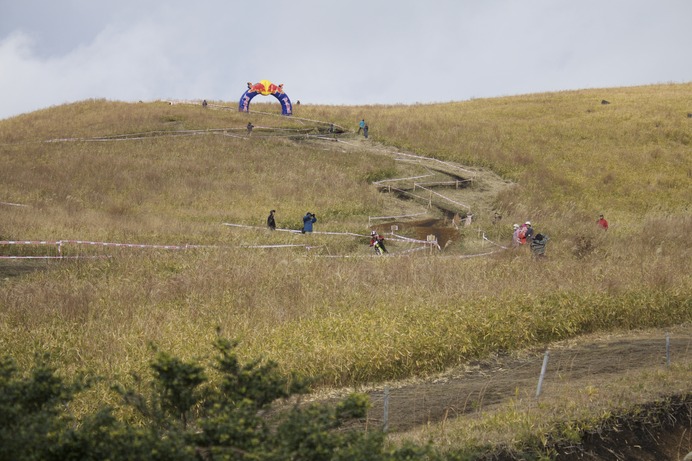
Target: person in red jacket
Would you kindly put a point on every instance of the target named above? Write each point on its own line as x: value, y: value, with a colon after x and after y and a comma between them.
x: 377, y: 241
x: 602, y: 223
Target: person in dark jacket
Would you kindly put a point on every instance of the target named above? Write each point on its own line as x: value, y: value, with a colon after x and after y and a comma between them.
x: 308, y: 220
x: 271, y: 222
x: 528, y: 233
x: 538, y: 244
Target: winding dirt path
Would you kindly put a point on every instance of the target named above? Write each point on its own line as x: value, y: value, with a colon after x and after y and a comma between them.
x: 583, y: 365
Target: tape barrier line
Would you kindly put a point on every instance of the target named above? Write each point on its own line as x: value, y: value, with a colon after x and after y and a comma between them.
x: 446, y: 198
x: 136, y: 245
x: 13, y: 204
x: 410, y: 240
x: 29, y: 242
x: 397, y: 217
x: 138, y: 136
x: 496, y: 244
x: 103, y: 244
x: 277, y: 246
x: 55, y: 257
x: 402, y: 179
x: 441, y: 183
x: 432, y: 159
x: 394, y: 237
x: 294, y: 231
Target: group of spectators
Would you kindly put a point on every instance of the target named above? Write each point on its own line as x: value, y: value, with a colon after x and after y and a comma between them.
x: 525, y: 235
x: 308, y: 220
x: 376, y: 240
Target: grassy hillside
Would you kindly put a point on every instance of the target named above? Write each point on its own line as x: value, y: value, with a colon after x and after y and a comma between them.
x: 324, y: 307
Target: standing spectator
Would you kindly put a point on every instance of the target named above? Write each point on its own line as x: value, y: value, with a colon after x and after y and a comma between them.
x: 365, y: 131
x: 528, y: 233
x: 361, y: 126
x: 602, y: 223
x: 250, y: 126
x: 538, y: 244
x: 308, y: 220
x: 271, y: 222
x: 516, y: 240
x: 522, y: 234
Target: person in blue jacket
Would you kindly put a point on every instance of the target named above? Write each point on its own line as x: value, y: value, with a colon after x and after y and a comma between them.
x: 308, y: 220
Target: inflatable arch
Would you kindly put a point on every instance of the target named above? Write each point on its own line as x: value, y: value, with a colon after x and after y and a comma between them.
x: 265, y: 88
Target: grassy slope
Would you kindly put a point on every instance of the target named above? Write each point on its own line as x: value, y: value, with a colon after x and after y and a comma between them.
x: 351, y: 320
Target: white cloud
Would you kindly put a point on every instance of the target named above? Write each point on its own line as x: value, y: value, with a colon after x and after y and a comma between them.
x: 382, y: 51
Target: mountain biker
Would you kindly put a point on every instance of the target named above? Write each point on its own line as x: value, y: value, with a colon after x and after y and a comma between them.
x: 377, y: 241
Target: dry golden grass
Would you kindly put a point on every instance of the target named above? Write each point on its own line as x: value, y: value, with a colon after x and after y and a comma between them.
x: 528, y: 422
x: 343, y: 320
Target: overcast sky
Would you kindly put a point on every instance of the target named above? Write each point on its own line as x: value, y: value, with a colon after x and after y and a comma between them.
x: 334, y: 52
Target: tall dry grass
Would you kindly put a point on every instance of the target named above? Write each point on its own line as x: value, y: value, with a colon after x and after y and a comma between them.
x: 345, y: 320
x: 565, y: 149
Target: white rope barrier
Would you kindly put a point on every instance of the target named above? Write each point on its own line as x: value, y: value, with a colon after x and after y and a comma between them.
x: 442, y: 196
x: 30, y: 242
x: 402, y: 179
x: 395, y: 237
x: 442, y: 183
x: 351, y: 234
x: 373, y: 218
x: 450, y: 165
x: 13, y: 204
x: 401, y: 191
x: 496, y: 244
x: 103, y: 244
x: 278, y: 246
x: 55, y: 257
x: 271, y: 114
x: 245, y: 226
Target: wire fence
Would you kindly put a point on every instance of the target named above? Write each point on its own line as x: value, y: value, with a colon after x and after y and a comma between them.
x: 484, y: 385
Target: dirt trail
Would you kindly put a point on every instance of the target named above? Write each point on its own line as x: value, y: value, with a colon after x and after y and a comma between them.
x: 576, y: 368
x: 446, y: 186
x: 581, y: 365
x: 483, y: 385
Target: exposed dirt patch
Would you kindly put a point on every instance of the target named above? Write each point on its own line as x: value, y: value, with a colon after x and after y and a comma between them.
x: 575, y: 367
x: 479, y: 386
x: 671, y: 439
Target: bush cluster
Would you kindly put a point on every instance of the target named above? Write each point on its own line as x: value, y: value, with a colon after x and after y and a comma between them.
x: 186, y: 411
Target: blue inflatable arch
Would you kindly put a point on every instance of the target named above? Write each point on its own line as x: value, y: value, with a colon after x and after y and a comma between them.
x: 265, y: 88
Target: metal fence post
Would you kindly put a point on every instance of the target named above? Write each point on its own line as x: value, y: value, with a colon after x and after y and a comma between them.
x: 543, y: 368
x: 668, y: 350
x: 385, y: 416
